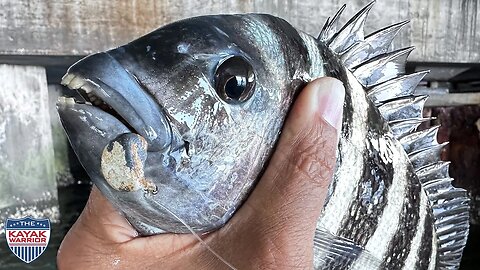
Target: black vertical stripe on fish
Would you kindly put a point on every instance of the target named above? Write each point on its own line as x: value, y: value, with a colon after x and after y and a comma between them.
x: 399, y: 246
x: 425, y: 252
x: 332, y: 68
x: 290, y: 40
x: 202, y: 168
x: 371, y: 194
x: 420, y: 239
x: 364, y: 213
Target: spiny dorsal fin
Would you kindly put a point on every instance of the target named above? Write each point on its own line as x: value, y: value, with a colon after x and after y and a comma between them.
x: 397, y: 87
x: 383, y: 67
x: 403, y: 127
x: 420, y: 140
x: 374, y: 44
x: 382, y: 73
x: 331, y: 26
x: 426, y: 156
x: 351, y: 32
x: 433, y: 171
x: 403, y: 108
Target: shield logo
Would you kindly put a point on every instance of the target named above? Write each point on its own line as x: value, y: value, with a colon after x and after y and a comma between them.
x: 27, y: 237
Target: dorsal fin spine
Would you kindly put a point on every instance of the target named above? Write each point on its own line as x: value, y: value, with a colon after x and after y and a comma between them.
x: 449, y: 204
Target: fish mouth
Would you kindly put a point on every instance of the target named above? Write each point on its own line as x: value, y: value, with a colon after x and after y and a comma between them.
x: 111, y: 93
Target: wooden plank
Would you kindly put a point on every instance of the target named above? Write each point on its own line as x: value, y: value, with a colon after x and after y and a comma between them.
x: 26, y: 150
x: 63, y: 175
x: 453, y: 99
x: 443, y: 31
x: 446, y: 31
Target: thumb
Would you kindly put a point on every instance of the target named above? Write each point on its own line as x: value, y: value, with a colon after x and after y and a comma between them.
x: 292, y: 190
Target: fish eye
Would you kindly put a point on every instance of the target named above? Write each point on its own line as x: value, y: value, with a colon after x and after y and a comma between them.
x: 235, y: 80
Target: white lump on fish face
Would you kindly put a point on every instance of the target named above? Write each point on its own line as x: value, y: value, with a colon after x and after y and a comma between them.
x: 191, y: 112
x: 227, y: 136
x: 223, y: 84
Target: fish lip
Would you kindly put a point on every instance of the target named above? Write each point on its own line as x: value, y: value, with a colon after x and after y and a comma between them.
x: 89, y: 130
x: 146, y: 117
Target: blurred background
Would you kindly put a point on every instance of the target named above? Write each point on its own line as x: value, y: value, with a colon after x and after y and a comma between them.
x: 40, y: 175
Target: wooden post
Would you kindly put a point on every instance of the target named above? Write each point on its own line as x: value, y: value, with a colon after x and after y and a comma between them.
x: 27, y: 173
x: 60, y: 140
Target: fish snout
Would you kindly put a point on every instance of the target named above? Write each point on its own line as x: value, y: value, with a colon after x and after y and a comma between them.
x: 104, y: 83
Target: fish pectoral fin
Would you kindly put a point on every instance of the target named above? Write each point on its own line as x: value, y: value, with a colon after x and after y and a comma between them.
x: 341, y: 253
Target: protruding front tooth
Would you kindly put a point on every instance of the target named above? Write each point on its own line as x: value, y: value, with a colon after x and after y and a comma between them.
x: 66, y: 100
x: 67, y: 79
x: 87, y: 88
x: 76, y: 83
x: 70, y: 101
x: 61, y: 100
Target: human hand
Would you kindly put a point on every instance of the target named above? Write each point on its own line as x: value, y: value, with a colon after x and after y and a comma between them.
x: 273, y: 229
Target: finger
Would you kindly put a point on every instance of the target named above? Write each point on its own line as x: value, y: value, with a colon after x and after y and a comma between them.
x: 293, y: 188
x: 95, y: 234
x: 102, y: 220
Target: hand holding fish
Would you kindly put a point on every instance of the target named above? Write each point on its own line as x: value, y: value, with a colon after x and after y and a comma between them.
x: 176, y: 127
x: 270, y: 230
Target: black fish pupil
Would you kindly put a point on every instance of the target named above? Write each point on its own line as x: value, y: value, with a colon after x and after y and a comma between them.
x: 234, y: 80
x: 235, y: 87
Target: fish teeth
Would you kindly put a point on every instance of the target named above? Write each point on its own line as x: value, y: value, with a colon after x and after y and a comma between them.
x: 94, y: 99
x: 87, y: 88
x: 76, y: 83
x: 70, y: 101
x: 67, y: 79
x: 66, y: 100
x: 97, y: 102
x: 92, y: 96
x: 61, y: 100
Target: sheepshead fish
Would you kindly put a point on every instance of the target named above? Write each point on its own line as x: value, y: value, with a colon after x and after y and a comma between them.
x: 177, y: 125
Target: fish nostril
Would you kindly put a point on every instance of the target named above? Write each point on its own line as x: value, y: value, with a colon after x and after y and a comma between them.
x: 186, y: 145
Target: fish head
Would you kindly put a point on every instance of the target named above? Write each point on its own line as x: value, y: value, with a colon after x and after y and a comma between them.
x: 178, y: 124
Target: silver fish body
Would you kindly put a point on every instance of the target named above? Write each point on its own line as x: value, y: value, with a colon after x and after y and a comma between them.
x: 184, y: 119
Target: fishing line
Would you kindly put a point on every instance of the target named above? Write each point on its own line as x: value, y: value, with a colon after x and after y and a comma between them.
x: 197, y: 236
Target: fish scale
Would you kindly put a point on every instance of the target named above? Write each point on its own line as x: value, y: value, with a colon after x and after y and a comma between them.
x: 390, y: 205
x: 425, y: 157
